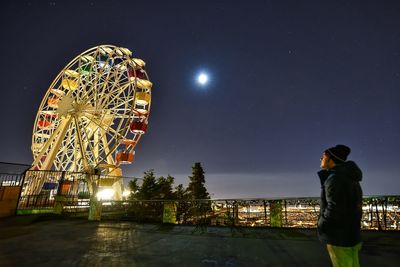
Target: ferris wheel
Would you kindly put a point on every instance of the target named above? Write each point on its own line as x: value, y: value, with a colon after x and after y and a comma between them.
x: 93, y: 114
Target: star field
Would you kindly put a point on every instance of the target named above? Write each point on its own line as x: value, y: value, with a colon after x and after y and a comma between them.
x: 289, y: 79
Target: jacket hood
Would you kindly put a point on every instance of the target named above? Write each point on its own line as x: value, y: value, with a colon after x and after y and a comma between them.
x: 348, y: 169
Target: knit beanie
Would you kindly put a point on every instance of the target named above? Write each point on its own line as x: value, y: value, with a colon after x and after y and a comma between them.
x: 338, y: 153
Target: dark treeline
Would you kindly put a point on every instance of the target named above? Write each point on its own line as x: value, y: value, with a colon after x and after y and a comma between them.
x: 162, y: 188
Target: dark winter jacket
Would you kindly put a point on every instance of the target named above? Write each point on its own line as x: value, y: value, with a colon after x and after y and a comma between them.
x: 341, y: 205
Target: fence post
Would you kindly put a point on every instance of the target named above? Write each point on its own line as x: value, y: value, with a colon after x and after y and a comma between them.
x: 286, y: 218
x: 265, y: 212
x: 384, y: 209
x: 59, y: 199
x: 275, y: 207
x: 169, y: 212
x: 236, y: 213
x: 21, y: 183
x: 95, y: 204
x: 377, y: 215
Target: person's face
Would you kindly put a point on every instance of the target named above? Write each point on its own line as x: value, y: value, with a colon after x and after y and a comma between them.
x: 326, y: 161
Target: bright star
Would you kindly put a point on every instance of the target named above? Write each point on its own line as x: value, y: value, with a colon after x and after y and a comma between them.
x: 202, y: 78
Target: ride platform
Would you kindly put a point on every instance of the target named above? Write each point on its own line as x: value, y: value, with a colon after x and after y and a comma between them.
x: 32, y: 241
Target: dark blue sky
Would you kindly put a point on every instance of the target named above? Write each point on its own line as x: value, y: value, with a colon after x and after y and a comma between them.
x: 288, y: 80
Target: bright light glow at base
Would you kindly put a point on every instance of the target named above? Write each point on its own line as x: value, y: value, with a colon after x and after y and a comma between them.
x: 202, y: 78
x: 126, y: 193
x: 105, y: 194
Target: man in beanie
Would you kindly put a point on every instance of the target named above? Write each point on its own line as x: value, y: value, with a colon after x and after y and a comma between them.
x: 339, y: 221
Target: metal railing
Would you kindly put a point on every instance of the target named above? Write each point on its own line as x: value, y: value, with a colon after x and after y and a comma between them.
x: 10, y: 179
x: 379, y: 212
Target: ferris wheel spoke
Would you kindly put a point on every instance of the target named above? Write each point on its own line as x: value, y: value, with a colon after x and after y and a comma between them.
x: 62, y: 153
x: 74, y: 152
x: 87, y: 93
x: 54, y: 145
x: 111, y: 94
x: 95, y: 96
x: 49, y: 139
x: 92, y: 143
x: 114, y: 92
x: 80, y: 144
x: 75, y: 156
x: 100, y: 141
x: 119, y: 106
x: 107, y: 151
x: 116, y: 82
x: 95, y: 86
x: 87, y: 84
x: 105, y: 131
x: 119, y: 82
x: 101, y: 124
x: 110, y: 97
x: 117, y: 97
x: 67, y: 155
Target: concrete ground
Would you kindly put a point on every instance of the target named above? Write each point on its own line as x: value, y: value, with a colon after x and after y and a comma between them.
x: 29, y: 241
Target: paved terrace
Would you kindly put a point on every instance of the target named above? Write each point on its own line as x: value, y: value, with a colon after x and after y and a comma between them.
x: 34, y: 241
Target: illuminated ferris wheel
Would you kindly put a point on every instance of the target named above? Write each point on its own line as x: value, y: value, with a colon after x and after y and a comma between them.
x: 93, y: 114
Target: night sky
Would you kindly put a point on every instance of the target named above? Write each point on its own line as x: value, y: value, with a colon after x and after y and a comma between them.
x: 288, y: 79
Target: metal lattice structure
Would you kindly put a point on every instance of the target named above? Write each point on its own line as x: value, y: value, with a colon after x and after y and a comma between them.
x: 93, y: 114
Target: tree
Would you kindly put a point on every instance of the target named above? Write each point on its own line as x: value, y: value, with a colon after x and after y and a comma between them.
x: 134, y: 188
x: 147, y: 211
x: 152, y: 188
x: 164, y: 187
x: 197, y: 212
x: 182, y: 205
x: 149, y: 186
x: 196, y: 188
x: 180, y: 192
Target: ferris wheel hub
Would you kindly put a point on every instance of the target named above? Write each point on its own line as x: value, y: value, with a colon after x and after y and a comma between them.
x: 65, y: 106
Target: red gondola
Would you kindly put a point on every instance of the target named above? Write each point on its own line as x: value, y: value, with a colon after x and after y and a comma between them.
x: 124, y: 157
x: 128, y: 142
x: 138, y: 127
x: 43, y: 124
x: 49, y: 116
x: 138, y: 74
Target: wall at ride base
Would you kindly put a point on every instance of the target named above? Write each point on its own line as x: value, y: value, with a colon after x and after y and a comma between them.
x: 8, y: 200
x: 10, y: 187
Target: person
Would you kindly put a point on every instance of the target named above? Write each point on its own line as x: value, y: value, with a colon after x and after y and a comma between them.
x: 339, y: 221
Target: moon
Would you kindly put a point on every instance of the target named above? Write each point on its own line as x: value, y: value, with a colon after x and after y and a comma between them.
x: 202, y: 78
